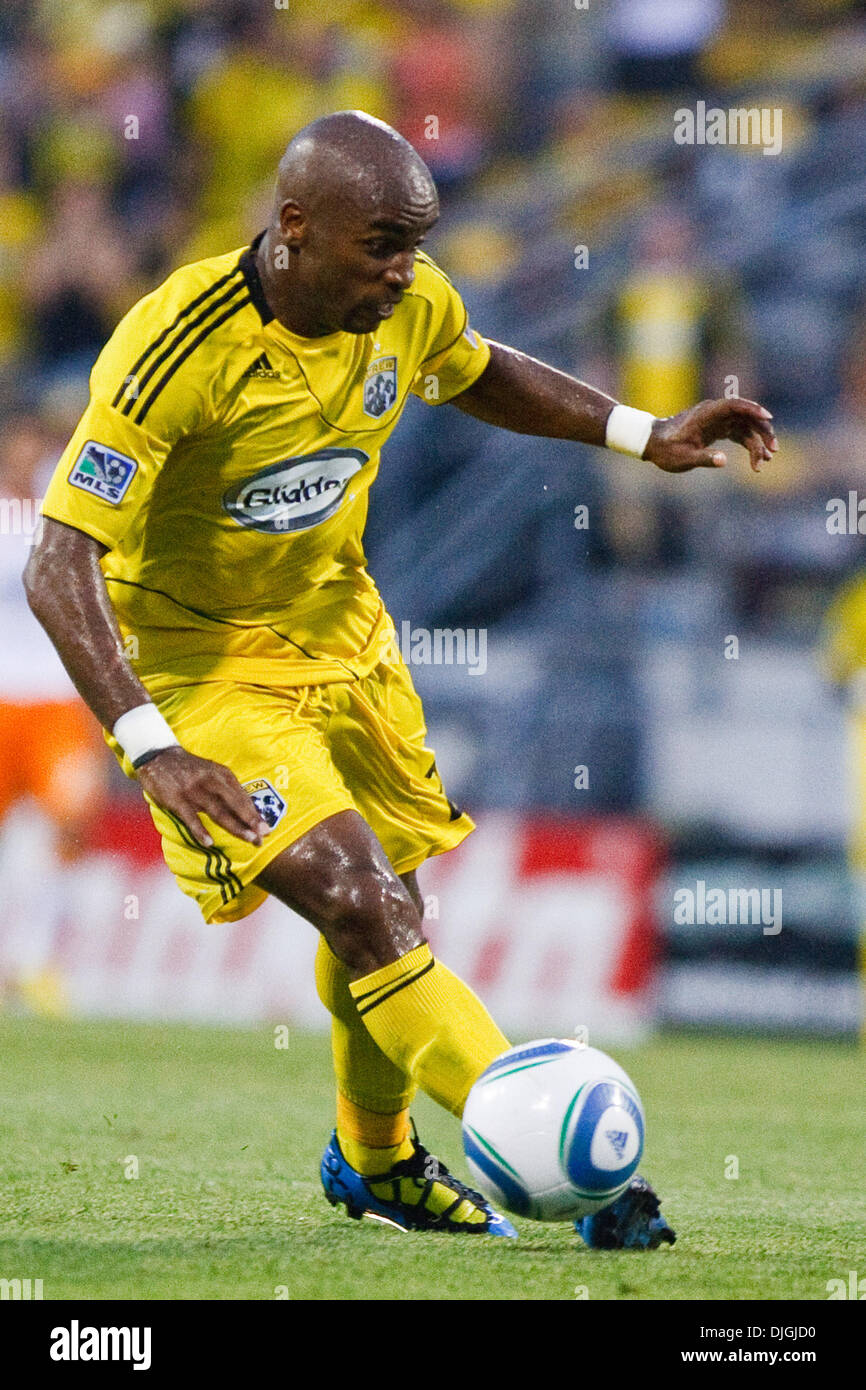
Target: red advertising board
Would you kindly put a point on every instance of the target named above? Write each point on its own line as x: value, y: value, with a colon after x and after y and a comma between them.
x: 549, y: 919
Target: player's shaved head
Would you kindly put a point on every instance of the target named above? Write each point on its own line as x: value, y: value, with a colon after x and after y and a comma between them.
x: 350, y: 157
x: 353, y: 202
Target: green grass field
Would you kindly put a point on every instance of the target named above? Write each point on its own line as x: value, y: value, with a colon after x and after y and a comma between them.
x: 227, y: 1131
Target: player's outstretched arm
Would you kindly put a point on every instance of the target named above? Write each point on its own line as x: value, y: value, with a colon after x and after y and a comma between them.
x: 66, y: 591
x: 520, y: 393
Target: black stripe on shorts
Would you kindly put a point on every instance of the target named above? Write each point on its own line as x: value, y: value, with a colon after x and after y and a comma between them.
x: 218, y: 867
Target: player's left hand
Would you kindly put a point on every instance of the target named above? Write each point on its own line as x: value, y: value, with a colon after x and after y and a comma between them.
x: 680, y: 442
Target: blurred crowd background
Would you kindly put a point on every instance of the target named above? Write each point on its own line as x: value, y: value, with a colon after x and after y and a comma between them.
x: 140, y: 134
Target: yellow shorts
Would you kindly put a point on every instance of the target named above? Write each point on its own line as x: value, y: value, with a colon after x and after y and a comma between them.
x: 305, y: 753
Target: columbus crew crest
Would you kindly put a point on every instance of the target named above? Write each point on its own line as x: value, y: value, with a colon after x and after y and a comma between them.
x: 380, y: 386
x: 268, y: 802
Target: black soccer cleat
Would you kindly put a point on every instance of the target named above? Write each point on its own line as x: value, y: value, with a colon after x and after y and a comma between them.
x: 633, y: 1222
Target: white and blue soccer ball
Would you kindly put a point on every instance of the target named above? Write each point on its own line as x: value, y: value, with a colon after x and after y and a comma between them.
x: 553, y: 1130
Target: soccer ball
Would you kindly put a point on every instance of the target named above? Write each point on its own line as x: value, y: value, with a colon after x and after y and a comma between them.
x: 553, y: 1130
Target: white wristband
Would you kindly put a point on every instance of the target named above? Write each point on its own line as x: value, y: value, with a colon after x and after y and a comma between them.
x: 628, y: 430
x: 141, y: 731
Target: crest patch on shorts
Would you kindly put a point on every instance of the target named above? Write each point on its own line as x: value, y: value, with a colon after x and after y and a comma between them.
x: 268, y: 802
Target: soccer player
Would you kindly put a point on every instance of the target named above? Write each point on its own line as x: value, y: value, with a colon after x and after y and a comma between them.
x: 202, y: 575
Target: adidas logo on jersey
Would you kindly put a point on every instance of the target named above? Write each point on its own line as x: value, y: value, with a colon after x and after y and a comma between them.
x: 262, y: 369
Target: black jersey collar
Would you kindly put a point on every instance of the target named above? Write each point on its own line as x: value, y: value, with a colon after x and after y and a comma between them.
x: 247, y: 266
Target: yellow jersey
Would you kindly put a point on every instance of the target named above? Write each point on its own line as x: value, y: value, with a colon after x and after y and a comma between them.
x: 226, y: 464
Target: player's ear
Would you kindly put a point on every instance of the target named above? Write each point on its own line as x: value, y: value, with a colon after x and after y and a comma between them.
x: 293, y: 224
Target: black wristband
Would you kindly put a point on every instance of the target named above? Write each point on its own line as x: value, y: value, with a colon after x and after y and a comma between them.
x: 150, y: 755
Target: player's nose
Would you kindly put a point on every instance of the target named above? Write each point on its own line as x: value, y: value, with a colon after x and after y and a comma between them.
x: 401, y: 272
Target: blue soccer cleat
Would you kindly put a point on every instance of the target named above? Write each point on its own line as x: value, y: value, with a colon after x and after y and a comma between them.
x: 633, y: 1222
x: 416, y: 1194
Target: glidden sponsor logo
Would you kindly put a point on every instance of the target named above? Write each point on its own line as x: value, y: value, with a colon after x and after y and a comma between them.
x: 297, y: 493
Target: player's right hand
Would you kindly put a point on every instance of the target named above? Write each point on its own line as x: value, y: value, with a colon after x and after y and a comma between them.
x: 679, y: 443
x: 188, y: 786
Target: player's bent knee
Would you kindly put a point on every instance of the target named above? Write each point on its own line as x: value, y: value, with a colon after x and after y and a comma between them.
x: 370, y: 920
x: 361, y: 907
x: 360, y: 893
x: 338, y: 877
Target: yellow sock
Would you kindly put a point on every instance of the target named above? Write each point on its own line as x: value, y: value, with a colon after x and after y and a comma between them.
x: 430, y: 1024
x: 372, y: 1142
x: 373, y: 1095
